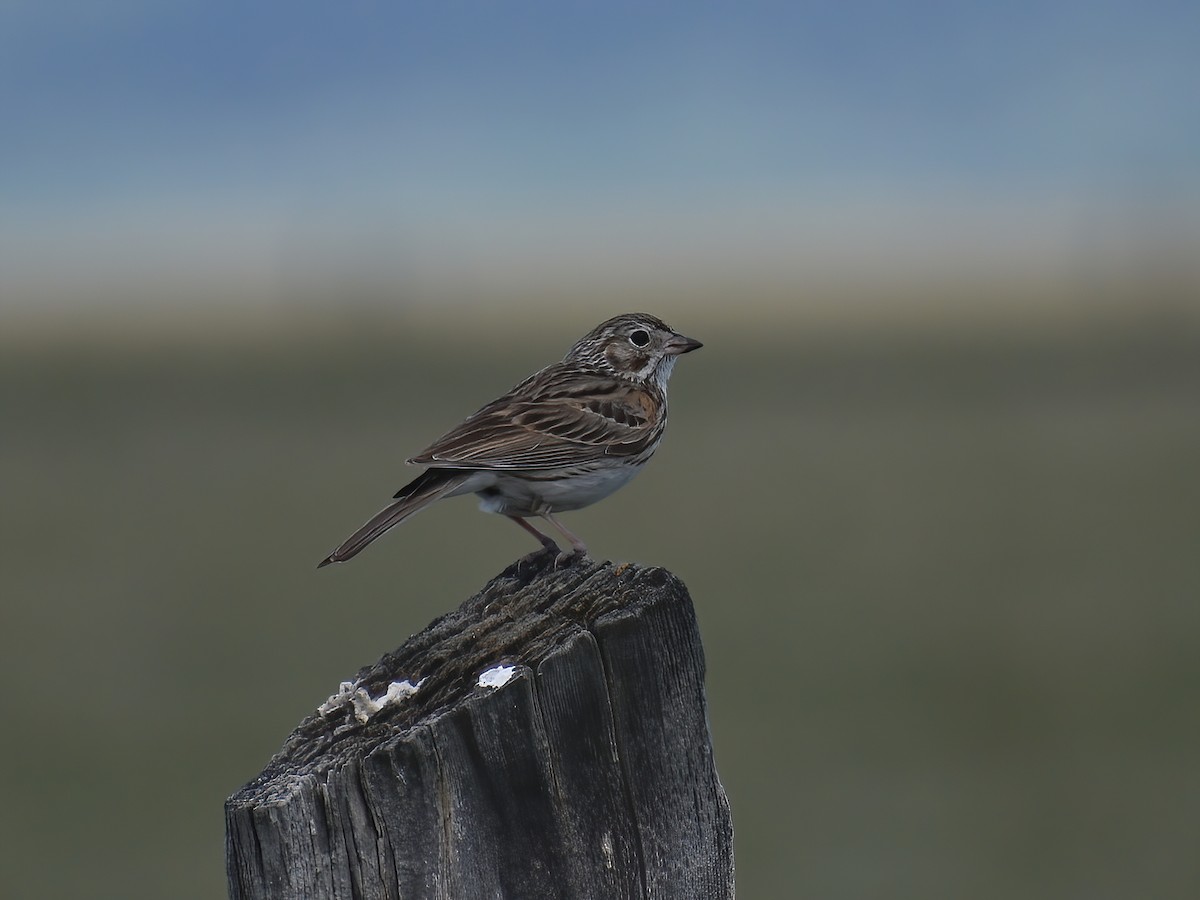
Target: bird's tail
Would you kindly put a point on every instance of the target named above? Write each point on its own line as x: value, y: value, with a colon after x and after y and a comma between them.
x: 430, y: 486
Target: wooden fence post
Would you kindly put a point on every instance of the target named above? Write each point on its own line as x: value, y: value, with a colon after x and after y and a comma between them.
x: 548, y: 739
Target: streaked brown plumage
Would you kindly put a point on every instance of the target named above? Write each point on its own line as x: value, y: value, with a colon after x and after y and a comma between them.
x: 563, y: 438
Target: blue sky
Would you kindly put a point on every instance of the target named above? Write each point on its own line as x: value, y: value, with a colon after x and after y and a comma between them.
x: 358, y: 130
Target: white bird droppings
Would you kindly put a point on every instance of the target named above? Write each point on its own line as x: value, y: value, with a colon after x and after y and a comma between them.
x: 496, y: 676
x: 364, y: 704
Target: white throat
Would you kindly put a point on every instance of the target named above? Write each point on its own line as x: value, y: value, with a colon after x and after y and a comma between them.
x: 662, y: 372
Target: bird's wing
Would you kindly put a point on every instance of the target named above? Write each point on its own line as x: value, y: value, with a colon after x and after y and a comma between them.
x: 558, y: 417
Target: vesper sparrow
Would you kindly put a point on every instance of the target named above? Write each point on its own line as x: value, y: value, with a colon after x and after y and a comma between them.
x: 562, y: 439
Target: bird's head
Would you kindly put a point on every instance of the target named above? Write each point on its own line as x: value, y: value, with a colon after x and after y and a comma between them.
x: 634, y: 346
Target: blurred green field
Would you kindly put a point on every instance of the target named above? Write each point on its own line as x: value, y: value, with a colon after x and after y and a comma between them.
x: 948, y: 588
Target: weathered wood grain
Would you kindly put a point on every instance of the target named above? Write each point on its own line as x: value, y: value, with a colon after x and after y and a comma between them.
x: 589, y: 774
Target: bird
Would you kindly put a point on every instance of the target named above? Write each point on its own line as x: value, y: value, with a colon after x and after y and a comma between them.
x: 562, y: 439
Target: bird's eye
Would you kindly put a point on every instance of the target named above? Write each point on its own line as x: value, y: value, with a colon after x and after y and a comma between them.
x: 639, y: 338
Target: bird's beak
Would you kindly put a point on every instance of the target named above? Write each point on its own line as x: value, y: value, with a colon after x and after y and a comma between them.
x: 678, y: 344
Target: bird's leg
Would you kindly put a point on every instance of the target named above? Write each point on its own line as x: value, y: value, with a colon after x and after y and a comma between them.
x: 579, y: 548
x: 545, y: 539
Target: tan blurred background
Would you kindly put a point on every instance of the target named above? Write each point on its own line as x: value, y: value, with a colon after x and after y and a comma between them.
x: 932, y: 481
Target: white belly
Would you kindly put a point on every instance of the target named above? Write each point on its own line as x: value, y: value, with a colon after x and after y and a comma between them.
x: 506, y: 494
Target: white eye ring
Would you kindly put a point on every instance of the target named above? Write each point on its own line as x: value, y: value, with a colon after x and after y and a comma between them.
x: 640, y: 338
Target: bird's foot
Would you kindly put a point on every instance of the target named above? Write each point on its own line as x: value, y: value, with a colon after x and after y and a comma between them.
x: 537, y: 559
x: 566, y: 557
